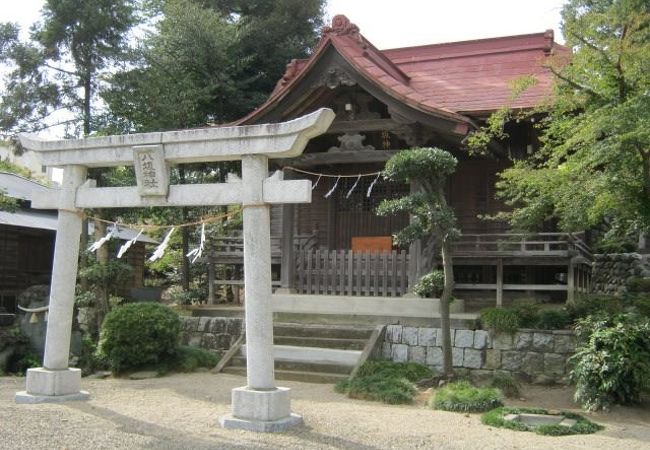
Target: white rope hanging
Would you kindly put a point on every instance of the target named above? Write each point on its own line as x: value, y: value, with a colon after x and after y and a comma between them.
x: 127, y: 245
x: 109, y: 235
x: 160, y: 251
x: 197, y: 252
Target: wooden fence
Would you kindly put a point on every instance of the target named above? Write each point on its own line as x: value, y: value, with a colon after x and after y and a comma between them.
x: 343, y: 272
x: 519, y: 244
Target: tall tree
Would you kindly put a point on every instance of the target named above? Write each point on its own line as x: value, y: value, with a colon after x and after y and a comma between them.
x: 211, y: 61
x: 593, y: 168
x: 432, y: 219
x: 58, y: 69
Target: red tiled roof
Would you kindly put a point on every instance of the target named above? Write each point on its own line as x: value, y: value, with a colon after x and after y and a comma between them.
x: 445, y: 80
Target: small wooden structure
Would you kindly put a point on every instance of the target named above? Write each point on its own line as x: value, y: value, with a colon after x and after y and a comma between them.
x: 390, y: 100
x: 27, y: 243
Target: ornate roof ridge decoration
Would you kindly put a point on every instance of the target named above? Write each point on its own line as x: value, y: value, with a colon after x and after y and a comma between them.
x: 341, y: 26
x: 290, y: 72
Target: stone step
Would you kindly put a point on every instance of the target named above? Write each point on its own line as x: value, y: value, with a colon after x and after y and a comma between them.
x: 298, y: 366
x: 321, y: 331
x: 291, y: 375
x: 304, y: 341
x: 313, y: 355
x: 348, y: 320
x: 215, y: 311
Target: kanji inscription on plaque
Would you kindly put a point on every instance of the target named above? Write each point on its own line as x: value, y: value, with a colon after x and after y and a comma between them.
x: 151, y: 170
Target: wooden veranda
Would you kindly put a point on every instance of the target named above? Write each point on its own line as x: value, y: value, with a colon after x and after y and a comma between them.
x: 306, y: 267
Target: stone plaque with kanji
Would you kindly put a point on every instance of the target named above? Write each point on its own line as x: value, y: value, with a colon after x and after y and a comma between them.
x: 151, y: 170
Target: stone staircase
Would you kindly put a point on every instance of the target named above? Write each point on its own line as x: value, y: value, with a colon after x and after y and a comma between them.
x: 312, y: 353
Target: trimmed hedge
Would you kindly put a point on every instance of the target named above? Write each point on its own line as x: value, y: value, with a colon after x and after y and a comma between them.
x: 139, y: 335
x: 463, y: 397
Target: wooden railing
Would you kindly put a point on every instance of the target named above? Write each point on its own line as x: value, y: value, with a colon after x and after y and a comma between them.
x: 230, y: 249
x: 343, y: 272
x: 519, y: 244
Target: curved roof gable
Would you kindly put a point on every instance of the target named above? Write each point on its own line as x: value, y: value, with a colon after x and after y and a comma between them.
x: 450, y: 81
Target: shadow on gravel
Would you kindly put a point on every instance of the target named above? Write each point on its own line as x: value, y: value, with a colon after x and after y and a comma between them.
x: 163, y: 438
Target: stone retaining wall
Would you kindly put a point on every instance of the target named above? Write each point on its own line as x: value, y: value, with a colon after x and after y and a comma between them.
x: 212, y: 333
x: 610, y: 272
x: 538, y: 356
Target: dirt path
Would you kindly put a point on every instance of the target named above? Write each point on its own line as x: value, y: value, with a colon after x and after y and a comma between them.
x: 181, y: 412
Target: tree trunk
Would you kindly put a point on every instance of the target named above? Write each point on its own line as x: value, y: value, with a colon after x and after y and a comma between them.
x: 83, y: 253
x: 102, y: 305
x: 445, y: 299
x: 87, y: 82
x: 185, y: 241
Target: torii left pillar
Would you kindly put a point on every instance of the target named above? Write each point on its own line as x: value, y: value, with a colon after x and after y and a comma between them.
x: 55, y: 381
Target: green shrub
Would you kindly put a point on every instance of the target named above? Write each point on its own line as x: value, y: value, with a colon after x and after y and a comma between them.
x: 188, y: 359
x: 495, y: 418
x: 463, y: 397
x: 23, y: 357
x: 385, y: 381
x: 553, y: 319
x: 137, y: 335
x: 430, y: 285
x: 595, y: 304
x: 612, y: 361
x: 528, y: 315
x: 506, y: 384
x: 409, y: 370
x: 639, y: 284
x: 641, y: 304
x: 505, y: 320
x: 89, y: 360
x: 391, y: 390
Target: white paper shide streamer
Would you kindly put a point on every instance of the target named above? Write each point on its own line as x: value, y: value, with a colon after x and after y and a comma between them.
x: 354, y: 186
x: 372, y: 185
x: 109, y: 235
x: 331, y: 191
x: 160, y: 251
x: 128, y: 245
x: 197, y: 252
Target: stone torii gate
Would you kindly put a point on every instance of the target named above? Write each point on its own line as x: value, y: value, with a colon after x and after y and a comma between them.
x: 260, y: 405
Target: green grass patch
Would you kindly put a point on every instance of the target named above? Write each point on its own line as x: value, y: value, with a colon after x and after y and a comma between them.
x: 409, y: 370
x: 188, y: 359
x: 495, y: 418
x: 461, y: 396
x: 385, y: 381
x: 506, y: 384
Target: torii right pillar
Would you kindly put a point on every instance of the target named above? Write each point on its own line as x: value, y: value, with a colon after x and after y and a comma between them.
x: 261, y: 405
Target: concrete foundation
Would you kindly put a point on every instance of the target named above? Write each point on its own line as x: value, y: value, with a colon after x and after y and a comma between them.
x: 52, y: 386
x: 261, y: 410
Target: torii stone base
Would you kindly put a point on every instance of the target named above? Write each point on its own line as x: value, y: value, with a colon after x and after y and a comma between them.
x: 259, y: 410
x: 52, y: 386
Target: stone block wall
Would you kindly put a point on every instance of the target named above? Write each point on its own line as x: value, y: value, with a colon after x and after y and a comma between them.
x: 538, y: 356
x: 611, y: 272
x: 211, y: 333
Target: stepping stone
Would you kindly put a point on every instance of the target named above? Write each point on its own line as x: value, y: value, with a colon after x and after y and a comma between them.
x: 144, y: 375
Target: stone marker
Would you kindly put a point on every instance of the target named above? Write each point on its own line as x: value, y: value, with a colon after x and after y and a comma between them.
x: 261, y: 405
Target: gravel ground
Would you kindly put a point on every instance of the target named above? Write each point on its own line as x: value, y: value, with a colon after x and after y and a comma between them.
x: 181, y: 412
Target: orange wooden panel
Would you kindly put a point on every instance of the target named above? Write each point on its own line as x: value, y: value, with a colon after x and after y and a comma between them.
x: 373, y: 244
